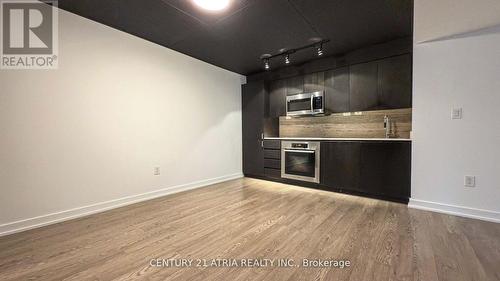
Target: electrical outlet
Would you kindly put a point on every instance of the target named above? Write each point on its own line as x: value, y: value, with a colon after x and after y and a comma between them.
x: 469, y: 181
x: 156, y: 171
x: 456, y: 113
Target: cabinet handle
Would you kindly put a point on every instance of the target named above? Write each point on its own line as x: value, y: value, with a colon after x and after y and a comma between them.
x: 261, y: 143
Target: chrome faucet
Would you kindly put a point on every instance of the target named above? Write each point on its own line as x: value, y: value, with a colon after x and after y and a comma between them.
x: 387, y: 127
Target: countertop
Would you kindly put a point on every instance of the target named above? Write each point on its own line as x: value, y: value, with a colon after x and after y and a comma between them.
x: 338, y: 139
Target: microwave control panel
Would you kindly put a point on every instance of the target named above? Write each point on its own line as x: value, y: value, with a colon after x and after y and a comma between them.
x: 317, y: 103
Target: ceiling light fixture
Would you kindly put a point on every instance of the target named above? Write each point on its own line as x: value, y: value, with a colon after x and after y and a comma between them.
x: 212, y: 5
x: 317, y: 44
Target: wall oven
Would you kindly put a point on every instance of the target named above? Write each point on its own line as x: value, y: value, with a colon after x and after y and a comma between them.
x: 305, y: 104
x: 300, y: 161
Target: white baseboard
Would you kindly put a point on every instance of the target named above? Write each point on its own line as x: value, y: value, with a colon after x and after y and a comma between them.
x: 455, y: 210
x: 35, y: 222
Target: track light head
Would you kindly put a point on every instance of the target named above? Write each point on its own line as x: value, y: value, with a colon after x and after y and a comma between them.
x: 319, y: 49
x: 266, y: 64
x: 265, y: 59
x: 287, y: 59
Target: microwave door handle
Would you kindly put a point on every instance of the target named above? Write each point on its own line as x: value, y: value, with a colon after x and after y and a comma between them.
x: 312, y: 104
x: 300, y: 151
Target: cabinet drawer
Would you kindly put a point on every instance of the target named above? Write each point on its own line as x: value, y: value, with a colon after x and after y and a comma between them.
x: 272, y: 173
x: 272, y: 144
x: 272, y: 154
x: 272, y: 163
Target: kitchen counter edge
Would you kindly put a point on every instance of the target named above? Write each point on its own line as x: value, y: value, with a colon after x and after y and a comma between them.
x: 336, y: 139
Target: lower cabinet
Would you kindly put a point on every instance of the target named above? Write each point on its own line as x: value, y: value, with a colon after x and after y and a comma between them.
x: 386, y: 169
x: 272, y: 173
x: 380, y: 169
x: 373, y: 168
x: 340, y: 165
x: 272, y: 158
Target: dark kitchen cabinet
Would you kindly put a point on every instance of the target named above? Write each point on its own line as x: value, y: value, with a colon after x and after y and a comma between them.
x: 278, y: 90
x: 271, y: 144
x: 373, y: 168
x: 272, y: 173
x: 314, y: 82
x: 272, y: 158
x: 340, y: 165
x: 277, y: 98
x: 375, y: 85
x: 253, y: 113
x: 294, y: 85
x: 382, y: 84
x: 363, y: 87
x: 272, y: 153
x: 336, y: 84
x: 386, y: 169
x: 395, y: 82
x: 272, y: 163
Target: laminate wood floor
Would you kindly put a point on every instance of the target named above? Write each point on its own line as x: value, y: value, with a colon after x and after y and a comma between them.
x: 253, y: 219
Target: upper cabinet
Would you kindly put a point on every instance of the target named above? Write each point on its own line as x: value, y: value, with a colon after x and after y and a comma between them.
x: 277, y: 98
x: 314, y: 82
x: 382, y: 84
x: 363, y: 87
x: 375, y: 85
x: 294, y: 85
x: 394, y: 82
x: 337, y: 90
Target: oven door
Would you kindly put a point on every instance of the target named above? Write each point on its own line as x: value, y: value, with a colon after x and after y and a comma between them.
x: 300, y: 165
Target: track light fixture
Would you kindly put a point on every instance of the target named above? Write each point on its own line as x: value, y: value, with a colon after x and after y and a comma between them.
x: 317, y: 45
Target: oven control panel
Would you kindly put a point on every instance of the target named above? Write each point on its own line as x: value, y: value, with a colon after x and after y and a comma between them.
x: 300, y: 145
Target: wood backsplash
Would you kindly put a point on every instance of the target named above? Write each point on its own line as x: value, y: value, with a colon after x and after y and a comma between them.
x: 365, y: 124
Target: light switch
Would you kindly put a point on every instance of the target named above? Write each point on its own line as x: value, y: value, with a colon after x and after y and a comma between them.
x: 156, y: 171
x: 456, y: 113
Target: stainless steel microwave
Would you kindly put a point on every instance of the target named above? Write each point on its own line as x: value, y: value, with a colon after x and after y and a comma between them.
x: 305, y: 104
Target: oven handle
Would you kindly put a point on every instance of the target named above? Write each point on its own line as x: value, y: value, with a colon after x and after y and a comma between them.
x: 300, y: 151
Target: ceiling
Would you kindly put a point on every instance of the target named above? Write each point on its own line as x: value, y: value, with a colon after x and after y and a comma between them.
x: 235, y: 38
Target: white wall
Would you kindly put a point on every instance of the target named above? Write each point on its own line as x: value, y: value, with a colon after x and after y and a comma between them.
x: 93, y: 130
x: 436, y: 19
x: 462, y: 71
